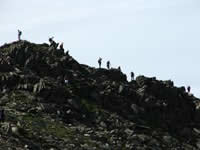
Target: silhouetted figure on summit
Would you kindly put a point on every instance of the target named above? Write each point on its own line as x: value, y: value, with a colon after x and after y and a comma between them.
x: 132, y: 76
x: 188, y: 89
x: 99, y: 62
x: 108, y: 64
x: 53, y: 43
x: 67, y: 52
x: 19, y: 35
x: 61, y: 46
x: 119, y: 68
x: 51, y: 40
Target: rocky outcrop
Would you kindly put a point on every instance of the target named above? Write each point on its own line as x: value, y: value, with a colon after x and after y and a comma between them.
x: 53, y: 102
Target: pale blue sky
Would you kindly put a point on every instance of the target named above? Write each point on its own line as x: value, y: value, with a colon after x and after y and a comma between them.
x: 149, y: 37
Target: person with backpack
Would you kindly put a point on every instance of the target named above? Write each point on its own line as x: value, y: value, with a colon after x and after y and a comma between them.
x: 53, y: 43
x: 19, y: 35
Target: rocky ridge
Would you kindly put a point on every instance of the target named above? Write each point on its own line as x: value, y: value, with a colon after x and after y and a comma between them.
x: 94, y: 109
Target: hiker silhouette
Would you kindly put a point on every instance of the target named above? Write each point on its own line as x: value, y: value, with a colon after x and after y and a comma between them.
x: 53, y: 43
x: 99, y: 62
x: 19, y: 35
x: 61, y: 46
x: 119, y: 68
x: 132, y: 76
x: 108, y: 64
x: 188, y: 89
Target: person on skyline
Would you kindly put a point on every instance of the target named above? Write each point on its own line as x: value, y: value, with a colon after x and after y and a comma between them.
x: 188, y: 89
x: 19, y: 35
x: 53, y: 43
x: 61, y: 46
x: 119, y: 68
x: 51, y: 40
x: 132, y: 76
x: 108, y: 64
x: 67, y: 53
x: 99, y: 62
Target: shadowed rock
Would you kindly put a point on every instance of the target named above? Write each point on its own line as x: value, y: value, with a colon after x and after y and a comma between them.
x: 95, y: 109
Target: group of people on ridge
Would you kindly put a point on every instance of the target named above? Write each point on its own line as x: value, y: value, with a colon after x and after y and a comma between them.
x: 108, y: 64
x: 55, y: 45
x: 108, y: 67
x: 51, y: 41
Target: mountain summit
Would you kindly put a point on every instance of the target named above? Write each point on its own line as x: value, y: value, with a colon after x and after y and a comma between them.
x: 52, y: 102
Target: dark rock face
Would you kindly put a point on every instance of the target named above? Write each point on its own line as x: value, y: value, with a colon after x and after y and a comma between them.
x: 163, y: 102
x: 112, y: 74
x: 53, y: 102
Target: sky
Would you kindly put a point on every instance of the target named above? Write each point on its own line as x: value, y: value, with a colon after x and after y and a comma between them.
x: 149, y: 37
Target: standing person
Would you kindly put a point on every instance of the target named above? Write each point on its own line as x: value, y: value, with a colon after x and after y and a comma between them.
x: 188, y: 89
x: 108, y: 64
x: 132, y: 76
x: 99, y: 62
x: 51, y: 41
x: 67, y: 52
x: 19, y: 35
x: 61, y: 46
x: 119, y: 68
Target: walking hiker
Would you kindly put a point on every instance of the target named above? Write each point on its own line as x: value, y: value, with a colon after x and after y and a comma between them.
x: 67, y: 53
x: 19, y: 35
x: 188, y: 89
x: 61, y: 46
x: 108, y: 65
x: 119, y: 68
x: 99, y: 62
x: 53, y: 43
x: 51, y: 40
x: 132, y: 76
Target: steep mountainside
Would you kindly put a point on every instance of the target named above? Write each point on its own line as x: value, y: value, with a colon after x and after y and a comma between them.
x: 52, y: 102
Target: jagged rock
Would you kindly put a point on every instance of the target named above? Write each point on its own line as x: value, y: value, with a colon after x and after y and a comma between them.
x: 6, y: 68
x: 14, y: 130
x: 128, y: 131
x: 120, y: 89
x: 95, y: 109
x: 112, y: 74
x: 136, y: 109
x: 74, y: 103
